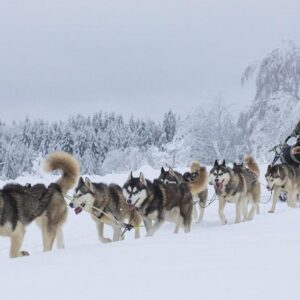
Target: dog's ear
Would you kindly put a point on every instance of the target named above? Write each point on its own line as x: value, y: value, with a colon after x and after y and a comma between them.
x: 216, y: 163
x: 162, y: 170
x: 142, y: 178
x: 171, y: 171
x: 130, y: 176
x: 89, y: 184
x: 223, y: 163
x: 81, y: 181
x: 235, y: 165
x: 269, y: 168
x: 282, y: 173
x: 279, y: 173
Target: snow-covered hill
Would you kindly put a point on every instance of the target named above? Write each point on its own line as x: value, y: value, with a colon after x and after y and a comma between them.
x: 252, y: 260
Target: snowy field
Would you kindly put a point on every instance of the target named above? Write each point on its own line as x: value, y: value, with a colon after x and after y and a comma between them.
x: 252, y: 260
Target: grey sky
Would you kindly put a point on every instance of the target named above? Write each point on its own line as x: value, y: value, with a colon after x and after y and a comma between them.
x: 62, y: 57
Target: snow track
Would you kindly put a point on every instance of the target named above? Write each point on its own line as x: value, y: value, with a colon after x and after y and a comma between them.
x: 251, y: 260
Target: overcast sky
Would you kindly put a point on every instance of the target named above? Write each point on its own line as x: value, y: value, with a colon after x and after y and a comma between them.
x: 61, y: 57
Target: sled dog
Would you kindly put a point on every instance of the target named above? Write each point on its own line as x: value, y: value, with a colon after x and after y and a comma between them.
x: 285, y: 178
x: 111, y: 203
x: 197, y: 180
x: 159, y: 202
x: 20, y: 205
x: 237, y: 185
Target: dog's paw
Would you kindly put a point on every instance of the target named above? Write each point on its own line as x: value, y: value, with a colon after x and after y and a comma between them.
x: 23, y: 253
x: 149, y: 234
x: 106, y: 241
x: 224, y: 222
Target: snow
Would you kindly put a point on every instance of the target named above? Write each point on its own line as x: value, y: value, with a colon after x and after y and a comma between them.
x: 251, y: 260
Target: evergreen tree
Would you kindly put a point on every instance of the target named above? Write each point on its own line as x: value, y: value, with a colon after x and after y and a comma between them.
x: 67, y: 143
x: 169, y: 125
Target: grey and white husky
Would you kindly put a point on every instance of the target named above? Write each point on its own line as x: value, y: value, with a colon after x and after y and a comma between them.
x: 20, y: 205
x: 106, y: 204
x: 284, y: 178
x: 159, y: 202
x: 239, y: 185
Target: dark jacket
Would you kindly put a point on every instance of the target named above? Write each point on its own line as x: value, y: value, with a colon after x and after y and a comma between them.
x: 297, y: 129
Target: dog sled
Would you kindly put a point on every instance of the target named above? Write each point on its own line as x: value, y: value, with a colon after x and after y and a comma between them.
x: 287, y: 154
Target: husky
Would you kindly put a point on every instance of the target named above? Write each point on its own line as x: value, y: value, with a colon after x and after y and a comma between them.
x: 20, y: 205
x: 197, y: 180
x: 171, y: 176
x: 283, y: 178
x: 239, y: 185
x: 240, y: 168
x: 105, y: 203
x: 159, y: 202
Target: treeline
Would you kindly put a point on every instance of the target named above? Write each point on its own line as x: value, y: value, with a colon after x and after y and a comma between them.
x: 91, y: 139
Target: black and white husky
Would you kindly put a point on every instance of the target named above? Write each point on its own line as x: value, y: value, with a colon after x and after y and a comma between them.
x: 159, y: 202
x: 20, y: 205
x: 196, y: 179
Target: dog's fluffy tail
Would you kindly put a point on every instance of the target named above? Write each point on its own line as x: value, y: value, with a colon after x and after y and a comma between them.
x: 195, y: 167
x: 252, y: 164
x: 69, y: 166
x: 200, y: 184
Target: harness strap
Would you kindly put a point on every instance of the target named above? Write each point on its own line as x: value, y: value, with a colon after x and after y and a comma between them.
x: 110, y: 210
x: 265, y: 202
x: 213, y: 199
x: 121, y: 224
x: 129, y: 226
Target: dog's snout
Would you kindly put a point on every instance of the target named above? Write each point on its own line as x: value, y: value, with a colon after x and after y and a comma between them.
x: 129, y: 201
x: 216, y: 180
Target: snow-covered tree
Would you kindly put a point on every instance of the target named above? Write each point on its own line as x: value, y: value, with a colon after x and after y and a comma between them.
x: 279, y: 71
x: 275, y: 109
x: 169, y: 125
x: 93, y: 140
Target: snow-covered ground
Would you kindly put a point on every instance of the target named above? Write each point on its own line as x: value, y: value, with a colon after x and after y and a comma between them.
x: 251, y: 260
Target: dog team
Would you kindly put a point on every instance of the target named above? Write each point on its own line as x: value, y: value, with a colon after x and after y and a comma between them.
x: 169, y: 198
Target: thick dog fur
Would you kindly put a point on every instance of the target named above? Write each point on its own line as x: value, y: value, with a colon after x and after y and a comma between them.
x: 252, y: 165
x: 110, y: 200
x: 237, y: 185
x: 197, y: 180
x: 68, y: 164
x: 20, y: 205
x: 159, y: 202
x: 285, y: 178
x: 170, y: 177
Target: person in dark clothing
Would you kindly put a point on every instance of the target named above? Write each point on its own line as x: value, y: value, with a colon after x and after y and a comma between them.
x: 295, y: 132
x: 291, y: 154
